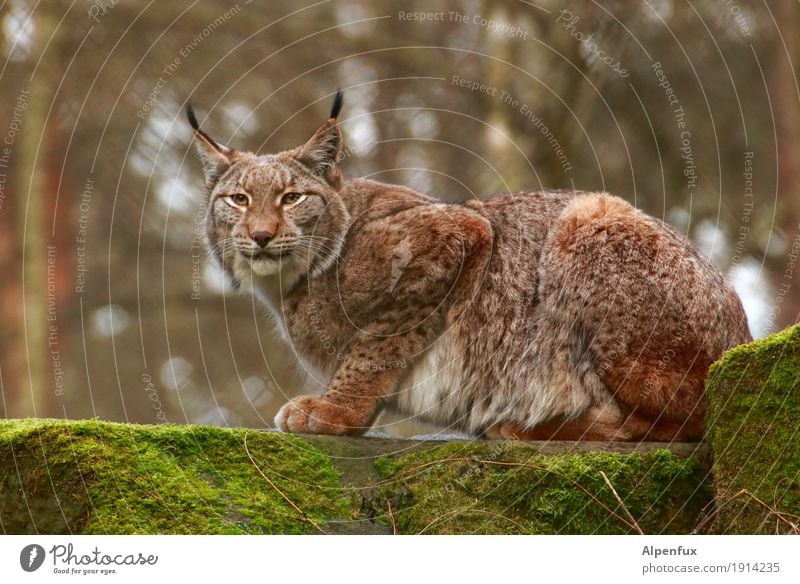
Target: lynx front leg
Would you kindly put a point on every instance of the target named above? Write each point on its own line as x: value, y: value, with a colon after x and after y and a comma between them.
x: 369, y: 371
x: 400, y: 274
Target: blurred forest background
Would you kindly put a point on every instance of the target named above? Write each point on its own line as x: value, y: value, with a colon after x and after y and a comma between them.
x: 688, y: 109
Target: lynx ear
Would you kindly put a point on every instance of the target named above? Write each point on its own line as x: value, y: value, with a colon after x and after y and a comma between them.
x: 322, y: 152
x: 216, y: 158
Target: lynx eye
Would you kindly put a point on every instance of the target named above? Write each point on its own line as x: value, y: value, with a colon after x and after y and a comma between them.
x: 292, y: 198
x: 238, y: 200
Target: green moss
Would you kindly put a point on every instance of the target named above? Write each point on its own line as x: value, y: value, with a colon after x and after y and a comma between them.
x: 508, y: 488
x: 386, y: 466
x: 754, y: 430
x: 98, y: 477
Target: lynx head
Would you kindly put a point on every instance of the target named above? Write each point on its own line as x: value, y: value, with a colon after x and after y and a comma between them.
x: 275, y: 214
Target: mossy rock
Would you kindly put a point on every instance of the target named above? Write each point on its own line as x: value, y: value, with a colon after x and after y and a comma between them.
x: 510, y: 488
x: 754, y: 432
x: 99, y: 477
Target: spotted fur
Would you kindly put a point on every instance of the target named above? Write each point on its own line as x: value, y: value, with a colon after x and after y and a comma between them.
x: 535, y: 315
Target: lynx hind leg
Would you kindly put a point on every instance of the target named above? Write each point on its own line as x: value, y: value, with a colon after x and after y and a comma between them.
x: 604, y: 423
x: 601, y: 423
x: 626, y: 278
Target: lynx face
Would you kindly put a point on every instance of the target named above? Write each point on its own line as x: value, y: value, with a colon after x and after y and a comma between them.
x: 274, y: 214
x: 270, y: 213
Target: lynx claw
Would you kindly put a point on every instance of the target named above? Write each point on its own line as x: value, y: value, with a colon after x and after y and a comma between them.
x: 313, y: 415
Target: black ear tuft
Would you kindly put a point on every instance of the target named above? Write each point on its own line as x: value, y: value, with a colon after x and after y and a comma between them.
x: 196, y: 127
x: 215, y: 158
x: 192, y: 118
x: 338, y: 101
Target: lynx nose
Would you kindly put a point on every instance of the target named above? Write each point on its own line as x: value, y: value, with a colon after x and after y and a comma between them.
x: 262, y: 238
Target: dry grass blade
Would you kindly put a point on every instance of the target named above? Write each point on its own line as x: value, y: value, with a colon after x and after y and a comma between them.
x: 780, y: 516
x: 472, y: 510
x: 705, y: 522
x: 277, y: 490
x: 391, y: 518
x: 621, y: 504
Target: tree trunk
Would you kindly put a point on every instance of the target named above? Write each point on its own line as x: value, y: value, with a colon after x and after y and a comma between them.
x: 786, y: 278
x: 35, y: 396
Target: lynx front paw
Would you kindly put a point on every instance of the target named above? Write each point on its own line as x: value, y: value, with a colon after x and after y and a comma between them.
x: 313, y: 415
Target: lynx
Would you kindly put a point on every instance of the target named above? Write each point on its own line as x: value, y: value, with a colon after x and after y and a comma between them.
x: 536, y: 315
